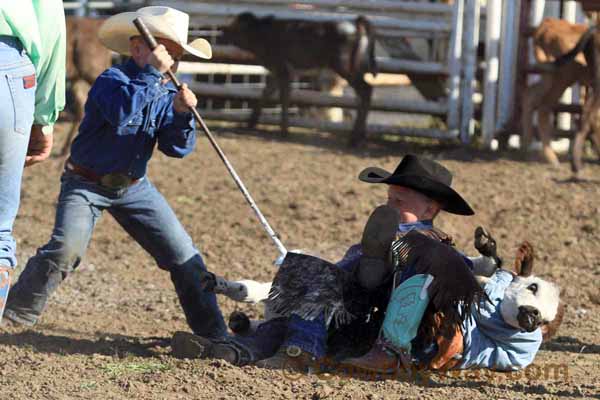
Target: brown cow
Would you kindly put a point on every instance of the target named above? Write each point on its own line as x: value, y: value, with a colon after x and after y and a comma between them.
x: 285, y: 45
x: 552, y: 39
x: 589, y: 44
x: 86, y: 59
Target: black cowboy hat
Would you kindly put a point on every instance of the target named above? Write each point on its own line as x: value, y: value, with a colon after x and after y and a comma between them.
x: 425, y: 176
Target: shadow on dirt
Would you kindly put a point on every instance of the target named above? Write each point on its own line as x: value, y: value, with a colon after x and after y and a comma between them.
x: 374, y: 147
x: 571, y: 345
x: 522, y: 385
x: 107, y: 344
x: 533, y: 380
x: 580, y: 181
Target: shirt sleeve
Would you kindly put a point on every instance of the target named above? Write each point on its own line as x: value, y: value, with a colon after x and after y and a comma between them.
x: 50, y: 66
x: 501, y: 349
x: 119, y: 98
x: 177, y: 134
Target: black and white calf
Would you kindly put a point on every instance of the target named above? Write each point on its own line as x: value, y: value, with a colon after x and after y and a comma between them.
x: 285, y: 46
x: 529, y: 301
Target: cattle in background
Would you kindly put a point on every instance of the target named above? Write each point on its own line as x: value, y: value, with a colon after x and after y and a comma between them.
x: 552, y: 39
x: 286, y: 45
x: 86, y: 59
x: 589, y: 45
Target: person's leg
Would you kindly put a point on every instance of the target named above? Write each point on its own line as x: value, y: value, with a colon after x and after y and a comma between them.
x: 309, y: 336
x: 238, y: 350
x: 267, y: 339
x: 17, y: 101
x: 77, y: 211
x: 145, y: 214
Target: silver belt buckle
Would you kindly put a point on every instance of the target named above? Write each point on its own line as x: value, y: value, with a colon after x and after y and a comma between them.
x: 115, y: 181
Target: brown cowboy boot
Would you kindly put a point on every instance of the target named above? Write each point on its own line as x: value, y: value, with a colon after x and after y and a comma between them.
x: 378, y: 359
x: 450, y: 350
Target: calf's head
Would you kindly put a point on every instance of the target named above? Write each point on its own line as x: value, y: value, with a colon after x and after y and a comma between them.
x: 531, y: 302
x: 243, y: 29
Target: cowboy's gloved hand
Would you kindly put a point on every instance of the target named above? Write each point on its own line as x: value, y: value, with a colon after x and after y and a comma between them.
x: 208, y: 281
x: 40, y: 146
x: 184, y: 99
x: 160, y: 59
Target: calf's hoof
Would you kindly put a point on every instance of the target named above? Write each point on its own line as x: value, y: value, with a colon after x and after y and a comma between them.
x: 239, y: 323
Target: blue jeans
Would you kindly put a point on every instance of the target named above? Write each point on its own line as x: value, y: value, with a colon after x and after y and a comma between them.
x: 263, y: 343
x: 145, y: 214
x: 310, y: 336
x: 16, y: 117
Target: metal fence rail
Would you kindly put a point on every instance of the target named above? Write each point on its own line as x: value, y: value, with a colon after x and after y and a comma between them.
x: 234, y: 78
x: 390, y: 19
x: 318, y: 99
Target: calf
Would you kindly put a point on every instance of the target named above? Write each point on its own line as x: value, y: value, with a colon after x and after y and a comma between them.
x: 285, y: 45
x: 589, y: 45
x: 86, y: 59
x: 529, y: 302
x: 552, y: 39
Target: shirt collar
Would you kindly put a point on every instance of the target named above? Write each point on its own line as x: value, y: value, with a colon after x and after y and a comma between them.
x: 132, y: 69
x: 425, y: 224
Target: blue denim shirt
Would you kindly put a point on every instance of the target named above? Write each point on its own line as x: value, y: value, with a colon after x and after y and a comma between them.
x: 489, y: 342
x: 127, y: 113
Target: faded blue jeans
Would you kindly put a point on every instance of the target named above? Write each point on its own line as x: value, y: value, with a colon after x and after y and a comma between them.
x: 16, y: 117
x: 145, y: 214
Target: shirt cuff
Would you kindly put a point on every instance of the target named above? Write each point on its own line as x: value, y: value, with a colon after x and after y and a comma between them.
x: 183, y: 120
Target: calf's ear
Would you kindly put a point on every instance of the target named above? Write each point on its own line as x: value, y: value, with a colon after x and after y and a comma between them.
x: 524, y: 259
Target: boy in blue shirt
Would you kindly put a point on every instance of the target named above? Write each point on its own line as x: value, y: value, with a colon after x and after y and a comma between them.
x: 131, y: 108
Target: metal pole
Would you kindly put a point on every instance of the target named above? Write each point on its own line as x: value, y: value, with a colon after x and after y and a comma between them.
x: 508, y: 57
x: 492, y: 38
x: 82, y: 10
x: 139, y: 24
x: 470, y: 41
x: 454, y: 70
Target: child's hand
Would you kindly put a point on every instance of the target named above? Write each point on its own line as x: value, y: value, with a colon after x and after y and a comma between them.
x: 160, y: 59
x: 184, y: 99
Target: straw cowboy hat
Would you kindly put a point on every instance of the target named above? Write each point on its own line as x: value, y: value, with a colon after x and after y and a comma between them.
x: 425, y: 176
x: 162, y: 22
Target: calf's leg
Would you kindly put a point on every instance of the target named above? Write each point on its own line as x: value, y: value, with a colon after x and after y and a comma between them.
x: 80, y: 90
x: 284, y: 79
x: 269, y: 89
x: 363, y: 92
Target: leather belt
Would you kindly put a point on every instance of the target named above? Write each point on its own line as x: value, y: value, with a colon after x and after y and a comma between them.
x: 112, y: 181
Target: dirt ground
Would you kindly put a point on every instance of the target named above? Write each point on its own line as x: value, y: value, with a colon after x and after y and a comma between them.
x: 106, y: 332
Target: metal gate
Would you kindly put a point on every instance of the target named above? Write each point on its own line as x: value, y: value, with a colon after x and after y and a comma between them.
x: 391, y: 20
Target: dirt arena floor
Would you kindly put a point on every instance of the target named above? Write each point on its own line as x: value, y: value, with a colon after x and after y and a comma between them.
x: 106, y: 332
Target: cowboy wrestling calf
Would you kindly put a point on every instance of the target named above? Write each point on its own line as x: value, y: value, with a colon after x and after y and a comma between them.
x: 502, y: 334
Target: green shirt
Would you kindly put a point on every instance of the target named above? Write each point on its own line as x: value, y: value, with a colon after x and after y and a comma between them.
x: 40, y: 26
